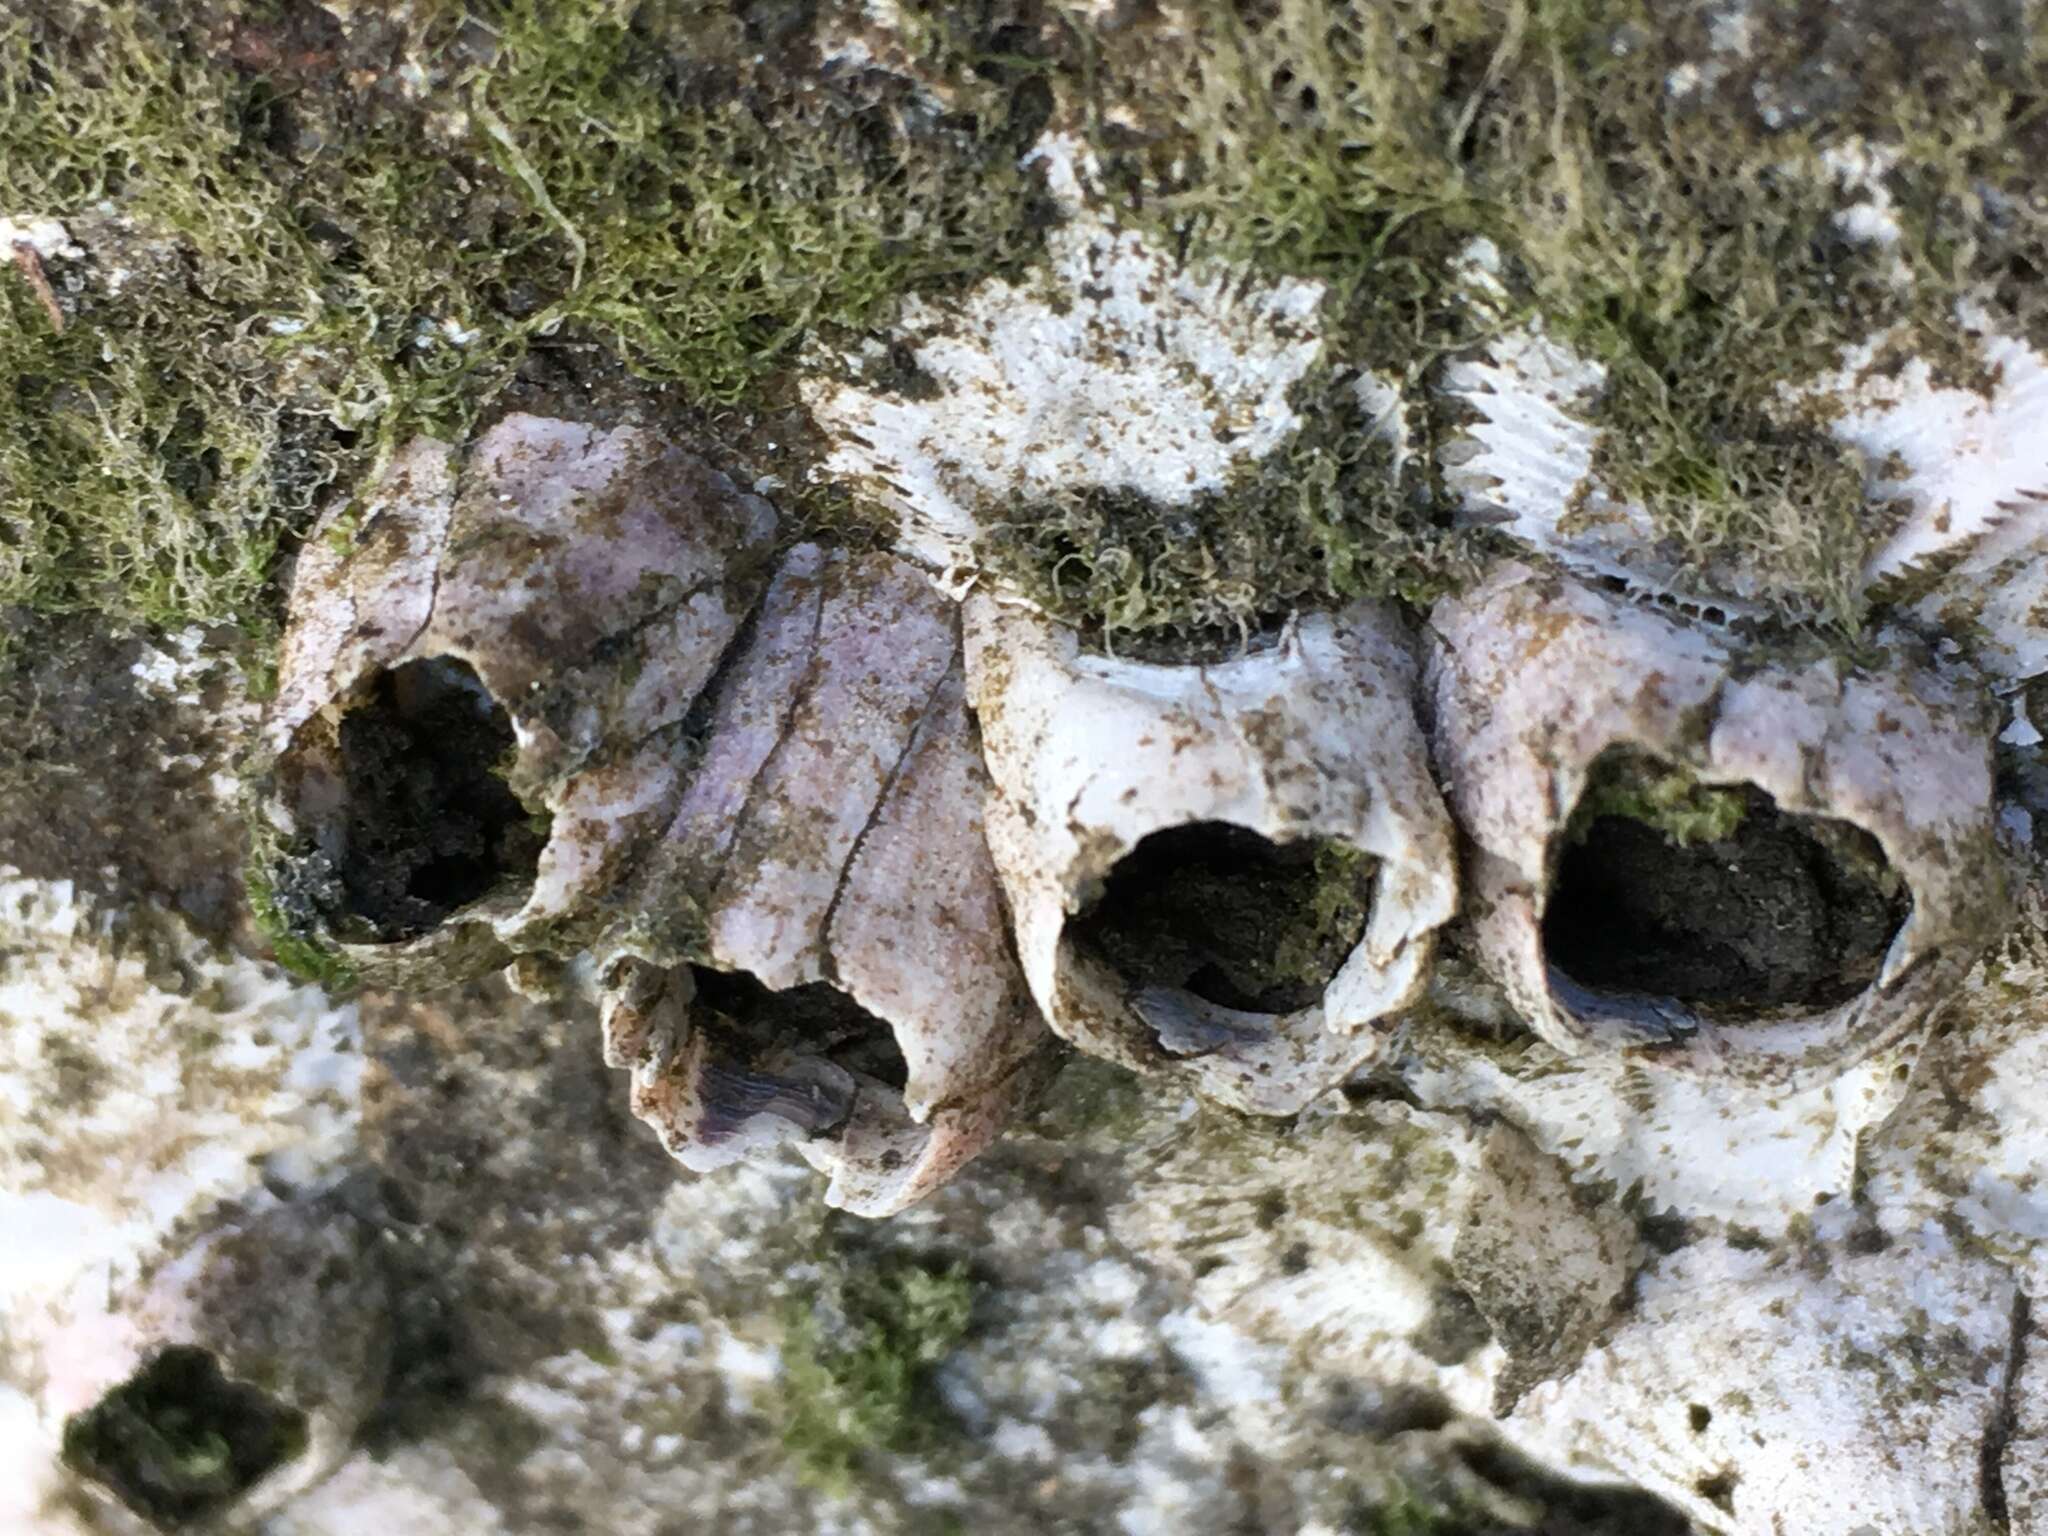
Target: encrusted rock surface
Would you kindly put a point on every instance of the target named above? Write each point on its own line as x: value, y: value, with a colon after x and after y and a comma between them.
x: 1402, y: 570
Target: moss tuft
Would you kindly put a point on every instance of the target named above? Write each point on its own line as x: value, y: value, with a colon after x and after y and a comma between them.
x: 1637, y: 787
x: 1328, y: 516
x: 306, y: 958
x: 857, y: 1366
x: 298, y: 255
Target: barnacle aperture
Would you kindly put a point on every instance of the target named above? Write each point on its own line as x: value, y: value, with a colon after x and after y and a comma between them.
x: 1225, y: 871
x: 179, y: 1441
x: 488, y: 664
x: 432, y: 824
x: 1714, y: 896
x: 1746, y: 862
x: 1232, y: 916
x: 820, y: 953
x: 764, y: 1029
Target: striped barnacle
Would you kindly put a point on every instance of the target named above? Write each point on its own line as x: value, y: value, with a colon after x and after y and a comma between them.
x: 846, y: 983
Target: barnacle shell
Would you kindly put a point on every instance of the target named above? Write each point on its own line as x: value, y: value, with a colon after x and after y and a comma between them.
x: 1310, y: 737
x: 585, y: 583
x: 1525, y: 465
x: 1116, y: 364
x: 1534, y: 677
x: 269, y: 1331
x: 1816, y: 1376
x: 831, y: 837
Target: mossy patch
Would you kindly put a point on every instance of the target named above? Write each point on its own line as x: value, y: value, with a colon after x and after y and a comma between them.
x: 1663, y: 795
x: 1662, y: 202
x: 304, y: 244
x: 288, y: 919
x: 1332, y: 514
x: 857, y: 1364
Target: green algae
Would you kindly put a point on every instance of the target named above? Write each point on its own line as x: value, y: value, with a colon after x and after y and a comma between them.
x: 857, y: 1371
x: 296, y: 255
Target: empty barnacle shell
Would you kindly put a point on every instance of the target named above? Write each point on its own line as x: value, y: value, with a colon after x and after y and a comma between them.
x: 1755, y: 865
x: 1223, y: 872
x: 238, y: 1373
x: 838, y: 972
x: 483, y: 682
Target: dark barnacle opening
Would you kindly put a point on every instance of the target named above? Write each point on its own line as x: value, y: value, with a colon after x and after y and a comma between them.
x: 1231, y: 917
x: 178, y: 1442
x: 763, y: 1036
x: 1715, y: 898
x: 431, y: 824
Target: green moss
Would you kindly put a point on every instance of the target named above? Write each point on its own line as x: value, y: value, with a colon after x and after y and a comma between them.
x: 297, y: 256
x: 307, y: 958
x: 1683, y: 236
x: 1325, y: 517
x: 857, y: 1366
x: 295, y: 261
x: 1333, y: 915
x: 1663, y: 795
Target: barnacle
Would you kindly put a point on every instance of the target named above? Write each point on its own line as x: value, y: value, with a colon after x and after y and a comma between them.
x: 199, y: 1394
x: 482, y: 684
x: 1225, y: 872
x: 846, y: 981
x: 1750, y: 864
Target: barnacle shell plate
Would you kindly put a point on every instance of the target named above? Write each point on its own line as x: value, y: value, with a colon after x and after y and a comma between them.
x: 1533, y: 677
x: 1313, y: 736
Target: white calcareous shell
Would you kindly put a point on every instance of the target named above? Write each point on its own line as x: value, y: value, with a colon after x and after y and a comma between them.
x: 1535, y: 676
x: 831, y: 837
x: 1858, y: 1392
x: 1115, y: 365
x: 583, y: 582
x: 1313, y: 736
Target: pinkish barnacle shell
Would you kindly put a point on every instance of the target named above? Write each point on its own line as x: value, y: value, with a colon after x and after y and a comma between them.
x: 829, y: 851
x: 1312, y: 737
x: 577, y: 585
x: 1535, y: 677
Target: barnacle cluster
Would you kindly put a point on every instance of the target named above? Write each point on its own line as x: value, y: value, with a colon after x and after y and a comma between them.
x: 849, y: 850
x: 852, y: 835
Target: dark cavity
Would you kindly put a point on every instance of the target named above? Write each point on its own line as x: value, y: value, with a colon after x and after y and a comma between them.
x: 432, y: 824
x: 1232, y: 917
x: 760, y: 1034
x: 178, y: 1442
x: 1781, y: 911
